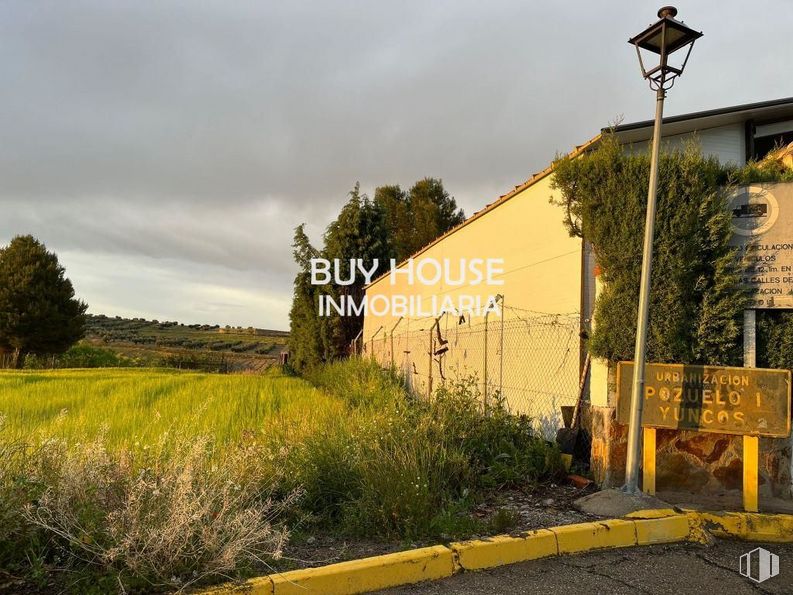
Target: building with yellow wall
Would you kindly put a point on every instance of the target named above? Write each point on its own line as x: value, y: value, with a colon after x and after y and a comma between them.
x: 532, y: 353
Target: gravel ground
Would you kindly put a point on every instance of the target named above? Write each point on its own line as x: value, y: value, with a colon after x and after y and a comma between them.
x: 522, y: 509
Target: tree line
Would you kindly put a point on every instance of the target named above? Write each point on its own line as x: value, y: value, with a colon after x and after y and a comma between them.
x: 395, y: 223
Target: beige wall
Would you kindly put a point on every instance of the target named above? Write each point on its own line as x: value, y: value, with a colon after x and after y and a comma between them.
x: 542, y: 263
x: 538, y: 368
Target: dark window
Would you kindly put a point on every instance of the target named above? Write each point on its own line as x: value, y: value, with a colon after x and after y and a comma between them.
x: 763, y: 145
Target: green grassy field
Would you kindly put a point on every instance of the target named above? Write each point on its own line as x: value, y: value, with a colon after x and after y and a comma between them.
x: 158, y: 478
x: 140, y: 405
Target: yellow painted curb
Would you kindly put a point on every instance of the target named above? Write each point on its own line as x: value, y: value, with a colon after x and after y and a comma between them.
x: 696, y: 530
x: 503, y: 549
x: 645, y: 527
x: 369, y: 574
x: 662, y: 530
x: 262, y: 585
x: 598, y: 535
x: 750, y: 526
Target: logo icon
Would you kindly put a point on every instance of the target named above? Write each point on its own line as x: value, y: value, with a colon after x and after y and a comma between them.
x: 759, y: 565
x: 754, y: 211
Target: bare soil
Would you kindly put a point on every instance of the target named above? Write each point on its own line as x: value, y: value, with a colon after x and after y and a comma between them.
x: 503, y: 512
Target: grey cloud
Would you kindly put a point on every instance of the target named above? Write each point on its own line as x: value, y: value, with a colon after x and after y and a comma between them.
x: 202, y: 133
x: 251, y: 236
x: 172, y: 289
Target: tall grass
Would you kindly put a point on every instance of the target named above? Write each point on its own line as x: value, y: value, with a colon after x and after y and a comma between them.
x: 148, y: 479
x: 154, y: 478
x: 403, y: 467
x: 139, y: 406
x: 359, y: 382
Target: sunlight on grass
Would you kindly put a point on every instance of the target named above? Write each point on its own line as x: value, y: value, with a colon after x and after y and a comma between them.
x: 143, y: 477
x: 140, y: 405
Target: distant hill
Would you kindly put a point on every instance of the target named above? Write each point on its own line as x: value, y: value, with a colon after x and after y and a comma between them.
x: 174, y: 344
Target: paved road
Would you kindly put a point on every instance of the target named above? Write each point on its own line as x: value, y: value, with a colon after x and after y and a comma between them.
x: 658, y: 570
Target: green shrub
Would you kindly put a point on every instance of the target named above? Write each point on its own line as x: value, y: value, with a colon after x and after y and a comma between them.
x: 405, y: 467
x: 17, y: 489
x: 775, y: 339
x: 696, y: 301
x: 358, y: 382
x: 325, y: 464
x: 80, y: 356
x: 503, y: 448
x: 87, y: 356
x: 406, y: 483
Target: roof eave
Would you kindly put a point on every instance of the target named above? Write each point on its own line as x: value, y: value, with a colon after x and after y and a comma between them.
x: 579, y: 149
x: 746, y: 107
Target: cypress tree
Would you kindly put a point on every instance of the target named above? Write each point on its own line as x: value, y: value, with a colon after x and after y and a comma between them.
x: 305, y: 347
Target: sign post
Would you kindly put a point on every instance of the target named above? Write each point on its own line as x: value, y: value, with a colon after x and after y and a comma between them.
x: 751, y: 444
x: 648, y: 462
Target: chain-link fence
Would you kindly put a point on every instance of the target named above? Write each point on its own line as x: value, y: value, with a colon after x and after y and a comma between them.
x: 530, y: 359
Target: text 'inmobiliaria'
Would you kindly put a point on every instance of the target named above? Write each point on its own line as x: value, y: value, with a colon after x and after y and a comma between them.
x: 444, y: 275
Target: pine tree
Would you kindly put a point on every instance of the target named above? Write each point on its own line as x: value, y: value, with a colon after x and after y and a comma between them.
x: 38, y: 311
x: 432, y: 213
x: 395, y: 224
x: 393, y: 201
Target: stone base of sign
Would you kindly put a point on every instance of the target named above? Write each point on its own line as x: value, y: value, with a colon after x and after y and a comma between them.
x: 694, y: 462
x: 609, y: 447
x: 616, y: 503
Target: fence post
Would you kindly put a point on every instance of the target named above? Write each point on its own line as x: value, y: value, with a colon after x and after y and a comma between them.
x: 354, y: 344
x: 372, y: 341
x: 393, y: 328
x: 429, y: 381
x: 407, y: 360
x: 484, y: 373
x: 751, y: 451
x: 501, y: 357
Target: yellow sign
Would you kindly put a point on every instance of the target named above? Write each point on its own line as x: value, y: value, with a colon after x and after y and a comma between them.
x: 747, y: 401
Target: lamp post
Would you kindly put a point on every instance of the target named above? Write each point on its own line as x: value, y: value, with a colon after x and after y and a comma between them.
x: 663, y: 38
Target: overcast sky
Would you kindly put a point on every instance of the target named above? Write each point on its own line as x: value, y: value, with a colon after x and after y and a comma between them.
x: 166, y: 150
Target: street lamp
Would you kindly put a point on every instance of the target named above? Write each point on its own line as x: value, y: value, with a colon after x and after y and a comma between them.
x: 663, y: 38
